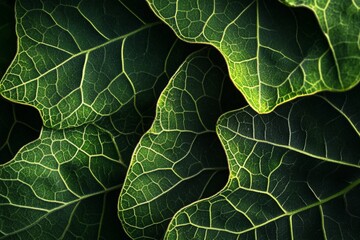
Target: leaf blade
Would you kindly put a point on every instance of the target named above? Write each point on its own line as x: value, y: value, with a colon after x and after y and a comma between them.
x: 275, y: 192
x: 271, y: 53
x: 179, y: 159
x: 57, y: 185
x: 95, y: 66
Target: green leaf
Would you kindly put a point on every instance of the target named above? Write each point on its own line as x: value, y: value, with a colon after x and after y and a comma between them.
x: 294, y: 174
x: 16, y: 128
x: 339, y: 20
x: 348, y: 104
x: 62, y: 186
x: 66, y: 184
x: 179, y: 160
x: 134, y: 118
x: 94, y: 69
x: 274, y: 53
x: 83, y: 60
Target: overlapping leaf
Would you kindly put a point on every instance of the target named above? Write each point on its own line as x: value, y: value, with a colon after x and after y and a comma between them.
x: 294, y: 174
x: 273, y: 53
x: 133, y: 119
x: 82, y: 60
x: 98, y: 67
x: 65, y: 184
x: 179, y: 160
x: 60, y: 187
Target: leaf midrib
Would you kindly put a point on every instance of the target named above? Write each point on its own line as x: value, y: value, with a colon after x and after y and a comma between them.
x: 147, y: 26
x: 293, y: 149
x: 286, y: 214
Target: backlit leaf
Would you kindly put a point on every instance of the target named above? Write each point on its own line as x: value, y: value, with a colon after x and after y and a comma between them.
x: 82, y: 60
x: 294, y: 174
x: 339, y: 20
x: 274, y: 53
x: 179, y: 160
x: 62, y: 186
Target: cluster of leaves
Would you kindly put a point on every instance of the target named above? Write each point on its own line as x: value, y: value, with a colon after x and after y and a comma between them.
x: 251, y: 133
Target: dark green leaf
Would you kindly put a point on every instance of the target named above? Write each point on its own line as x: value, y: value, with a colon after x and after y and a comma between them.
x: 16, y: 127
x: 83, y: 60
x: 273, y: 53
x: 60, y: 187
x: 179, y: 160
x: 133, y: 119
x: 339, y: 20
x: 294, y: 174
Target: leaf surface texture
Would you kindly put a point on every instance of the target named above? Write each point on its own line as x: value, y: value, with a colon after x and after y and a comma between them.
x: 274, y: 53
x: 58, y: 187
x: 179, y: 160
x: 83, y: 60
x: 294, y: 174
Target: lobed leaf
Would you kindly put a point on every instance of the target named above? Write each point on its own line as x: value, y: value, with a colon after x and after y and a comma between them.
x: 62, y: 186
x: 67, y: 182
x: 274, y: 53
x: 83, y: 60
x: 179, y: 160
x: 94, y: 69
x: 294, y: 174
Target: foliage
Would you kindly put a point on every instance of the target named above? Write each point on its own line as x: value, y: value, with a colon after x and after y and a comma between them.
x: 112, y: 127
